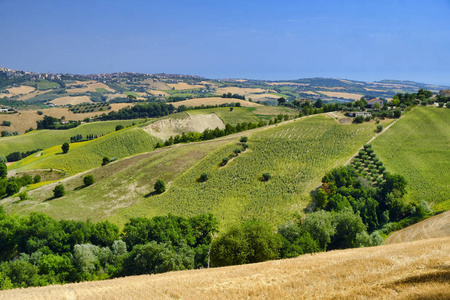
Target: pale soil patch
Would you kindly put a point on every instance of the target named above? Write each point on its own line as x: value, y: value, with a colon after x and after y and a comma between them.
x: 24, y: 89
x: 342, y: 95
x: 166, y: 128
x: 71, y: 100
x: 240, y: 91
x: 416, y: 270
x: 287, y: 83
x: 79, y: 82
x: 92, y: 87
x: 25, y: 119
x: 434, y: 227
x: 214, y: 101
x: 241, y: 80
x: 373, y: 90
x: 309, y: 92
x: 184, y: 86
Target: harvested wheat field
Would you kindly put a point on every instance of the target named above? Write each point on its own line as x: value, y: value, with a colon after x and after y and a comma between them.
x: 434, y: 227
x: 157, y: 93
x: 184, y: 86
x: 31, y: 95
x: 90, y: 88
x: 71, y: 100
x: 416, y: 270
x: 21, y: 90
x: 241, y: 91
x: 214, y: 101
x: 166, y: 128
x: 342, y: 95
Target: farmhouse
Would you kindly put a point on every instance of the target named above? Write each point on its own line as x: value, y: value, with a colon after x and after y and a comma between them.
x: 359, y: 113
x: 444, y: 93
x: 372, y: 103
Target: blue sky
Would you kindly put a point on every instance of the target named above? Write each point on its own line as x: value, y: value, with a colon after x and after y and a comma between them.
x: 360, y: 40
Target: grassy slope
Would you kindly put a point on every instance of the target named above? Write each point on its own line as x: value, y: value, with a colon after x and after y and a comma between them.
x: 120, y: 184
x: 268, y: 112
x: 296, y: 154
x: 417, y: 270
x: 87, y: 155
x: 238, y: 115
x: 418, y: 147
x: 41, y: 139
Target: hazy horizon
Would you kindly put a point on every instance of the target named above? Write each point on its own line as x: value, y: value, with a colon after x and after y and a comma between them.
x: 262, y: 40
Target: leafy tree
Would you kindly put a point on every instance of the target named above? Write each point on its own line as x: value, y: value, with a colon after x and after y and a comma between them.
x: 266, y: 176
x: 320, y: 227
x: 65, y: 147
x: 296, y: 240
x: 88, y: 180
x: 318, y: 103
x: 58, y: 191
x: 397, y: 113
x: 358, y: 119
x: 203, y: 177
x: 12, y: 188
x: 243, y: 139
x: 379, y: 128
x: 119, y: 127
x: 348, y: 225
x: 3, y: 159
x: 160, y: 186
x: 37, y: 178
x: 281, y: 101
x: 3, y: 170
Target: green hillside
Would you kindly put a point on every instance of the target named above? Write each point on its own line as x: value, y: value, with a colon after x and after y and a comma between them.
x: 87, y: 155
x: 42, y: 139
x: 238, y: 115
x: 418, y: 147
x: 296, y: 154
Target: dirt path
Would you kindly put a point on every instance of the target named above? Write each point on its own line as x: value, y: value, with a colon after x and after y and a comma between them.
x: 434, y: 227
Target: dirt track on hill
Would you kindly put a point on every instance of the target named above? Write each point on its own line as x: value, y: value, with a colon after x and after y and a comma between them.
x: 434, y: 227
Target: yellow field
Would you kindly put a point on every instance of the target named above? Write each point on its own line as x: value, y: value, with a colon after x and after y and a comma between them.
x: 90, y: 88
x: 241, y: 80
x: 27, y: 118
x: 240, y: 91
x: 258, y: 97
x: 157, y: 93
x: 213, y: 101
x: 71, y: 100
x: 157, y: 85
x: 434, y: 227
x: 417, y: 270
x: 342, y: 95
x: 373, y: 90
x: 31, y: 95
x: 184, y: 86
x: 309, y: 92
x: 21, y: 90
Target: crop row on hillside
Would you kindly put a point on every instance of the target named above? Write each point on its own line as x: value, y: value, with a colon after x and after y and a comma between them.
x: 295, y: 154
x: 418, y: 147
x: 237, y: 115
x: 87, y: 155
x: 41, y: 139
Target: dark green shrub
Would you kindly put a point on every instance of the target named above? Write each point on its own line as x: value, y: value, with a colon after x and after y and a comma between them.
x: 203, y: 177
x: 266, y: 176
x: 160, y: 186
x: 59, y: 191
x: 88, y: 180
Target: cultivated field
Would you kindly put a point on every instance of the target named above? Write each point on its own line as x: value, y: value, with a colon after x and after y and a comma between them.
x: 214, y: 101
x: 184, y: 86
x: 157, y: 93
x: 341, y: 95
x: 434, y: 227
x: 91, y: 87
x: 25, y: 119
x: 41, y: 139
x: 84, y: 156
x: 31, y: 95
x: 417, y: 270
x: 21, y: 90
x: 240, y: 91
x: 297, y: 154
x: 287, y: 83
x: 418, y: 147
x: 71, y: 100
x: 238, y: 115
x: 168, y: 127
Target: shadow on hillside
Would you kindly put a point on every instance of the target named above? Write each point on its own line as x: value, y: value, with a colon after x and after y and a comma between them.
x: 150, y: 194
x: 80, y: 187
x: 312, y: 205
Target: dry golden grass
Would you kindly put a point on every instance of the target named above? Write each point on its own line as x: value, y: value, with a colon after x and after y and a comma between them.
x: 373, y: 90
x: 184, y: 86
x: 416, y: 270
x: 437, y: 226
x: 157, y: 93
x: 351, y: 82
x: 329, y: 88
x: 91, y: 87
x: 258, y: 97
x: 309, y: 92
x: 71, y: 100
x: 21, y: 90
x: 287, y: 83
x: 213, y: 101
x: 240, y: 91
x: 31, y: 95
x: 25, y: 119
x: 157, y: 85
x: 342, y: 95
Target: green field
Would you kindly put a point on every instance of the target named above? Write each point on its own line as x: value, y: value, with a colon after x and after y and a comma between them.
x: 43, y: 84
x: 269, y: 112
x: 238, y: 115
x: 87, y: 155
x: 418, y: 147
x: 296, y: 154
x: 41, y: 139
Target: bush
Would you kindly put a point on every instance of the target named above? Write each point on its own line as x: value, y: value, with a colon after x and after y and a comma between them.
x: 88, y: 180
x: 379, y: 128
x: 266, y: 176
x: 244, y: 139
x: 160, y: 186
x: 358, y: 119
x: 225, y: 160
x: 23, y: 196
x: 244, y: 146
x: 237, y: 151
x: 106, y: 160
x: 397, y: 113
x: 12, y: 188
x: 448, y: 104
x: 37, y: 178
x: 203, y: 177
x: 441, y: 104
x: 58, y: 191
x: 119, y: 127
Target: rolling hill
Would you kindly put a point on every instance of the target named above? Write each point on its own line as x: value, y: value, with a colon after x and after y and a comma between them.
x: 415, y: 270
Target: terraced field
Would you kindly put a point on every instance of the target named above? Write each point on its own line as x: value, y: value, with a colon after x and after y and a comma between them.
x: 418, y: 147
